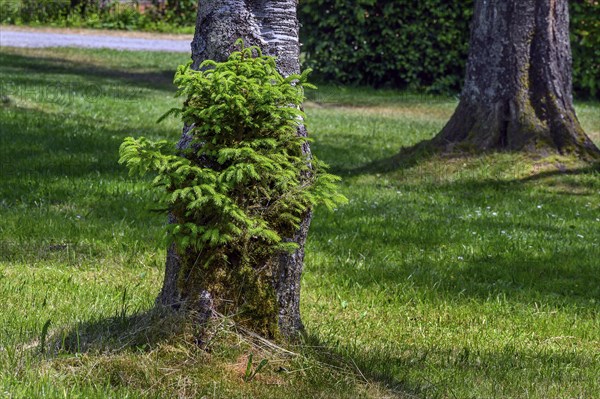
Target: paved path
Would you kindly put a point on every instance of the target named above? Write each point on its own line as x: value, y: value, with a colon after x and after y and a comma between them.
x: 17, y: 38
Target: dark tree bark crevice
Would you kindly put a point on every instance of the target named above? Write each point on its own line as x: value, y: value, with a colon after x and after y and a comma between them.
x: 517, y: 93
x: 271, y: 25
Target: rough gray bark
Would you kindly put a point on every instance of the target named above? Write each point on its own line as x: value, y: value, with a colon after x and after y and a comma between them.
x: 517, y: 93
x: 271, y: 25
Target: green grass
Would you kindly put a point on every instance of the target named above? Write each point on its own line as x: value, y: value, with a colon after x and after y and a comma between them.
x: 444, y: 277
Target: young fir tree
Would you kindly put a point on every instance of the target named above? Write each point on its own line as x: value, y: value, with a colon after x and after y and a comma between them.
x: 239, y: 188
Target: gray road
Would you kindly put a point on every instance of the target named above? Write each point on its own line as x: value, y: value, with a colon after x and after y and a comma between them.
x: 14, y: 38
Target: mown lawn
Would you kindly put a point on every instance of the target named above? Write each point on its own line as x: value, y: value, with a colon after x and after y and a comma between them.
x: 444, y: 277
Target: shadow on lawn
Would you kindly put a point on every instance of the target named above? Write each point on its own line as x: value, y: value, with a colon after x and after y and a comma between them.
x: 430, y: 372
x: 47, y: 157
x: 138, y: 331
x: 64, y: 168
x: 92, y: 74
x: 406, y: 158
x: 44, y: 141
x: 55, y: 144
x: 411, y: 156
x: 347, y: 158
x: 514, y: 259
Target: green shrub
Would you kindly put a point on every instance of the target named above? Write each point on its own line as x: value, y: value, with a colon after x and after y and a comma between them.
x: 400, y: 44
x: 242, y: 184
x: 33, y: 11
x: 166, y: 16
x: 585, y: 41
x: 178, y: 12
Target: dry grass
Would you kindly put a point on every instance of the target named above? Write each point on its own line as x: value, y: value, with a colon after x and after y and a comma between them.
x: 400, y: 111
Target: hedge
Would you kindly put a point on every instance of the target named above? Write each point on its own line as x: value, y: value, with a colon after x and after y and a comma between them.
x: 177, y: 16
x: 419, y: 45
x: 407, y: 44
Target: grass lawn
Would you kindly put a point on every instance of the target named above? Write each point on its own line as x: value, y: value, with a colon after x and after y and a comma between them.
x: 462, y: 277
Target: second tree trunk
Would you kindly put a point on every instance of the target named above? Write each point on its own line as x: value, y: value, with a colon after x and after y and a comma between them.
x: 517, y: 92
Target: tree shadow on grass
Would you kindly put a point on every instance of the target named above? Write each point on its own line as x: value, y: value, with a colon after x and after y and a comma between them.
x: 92, y: 74
x: 64, y: 169
x: 411, y: 156
x: 559, y: 278
x: 540, y: 256
x: 367, y: 366
x: 54, y: 144
x: 139, y: 331
x: 51, y: 158
x: 418, y: 371
x: 353, y: 165
x: 406, y: 158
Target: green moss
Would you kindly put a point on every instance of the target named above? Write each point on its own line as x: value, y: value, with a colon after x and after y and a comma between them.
x: 238, y: 289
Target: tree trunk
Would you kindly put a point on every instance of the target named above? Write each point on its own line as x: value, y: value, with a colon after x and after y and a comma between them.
x: 271, y: 25
x: 517, y: 93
